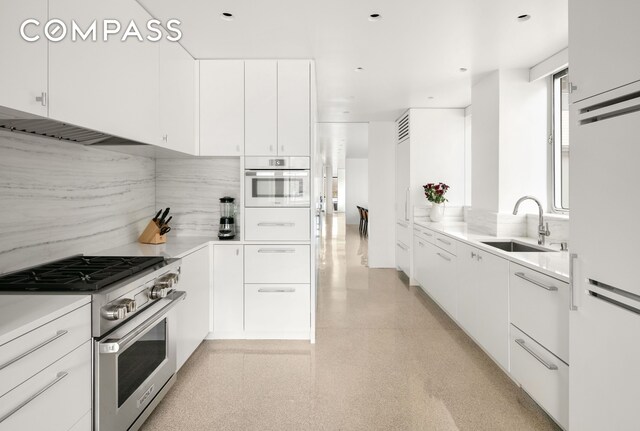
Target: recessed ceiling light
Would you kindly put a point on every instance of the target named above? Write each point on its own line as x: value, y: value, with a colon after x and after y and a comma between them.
x: 463, y: 69
x: 524, y: 17
x: 227, y: 16
x: 375, y: 17
x: 430, y: 97
x: 346, y: 112
x: 359, y: 69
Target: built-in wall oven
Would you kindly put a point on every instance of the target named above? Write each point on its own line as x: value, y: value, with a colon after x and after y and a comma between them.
x: 277, y: 182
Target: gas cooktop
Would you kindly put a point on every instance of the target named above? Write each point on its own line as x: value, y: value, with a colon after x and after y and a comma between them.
x: 77, y: 273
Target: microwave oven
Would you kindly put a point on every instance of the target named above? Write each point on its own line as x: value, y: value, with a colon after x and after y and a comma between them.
x: 277, y: 182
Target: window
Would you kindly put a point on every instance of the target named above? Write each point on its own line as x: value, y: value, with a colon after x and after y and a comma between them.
x: 560, y: 136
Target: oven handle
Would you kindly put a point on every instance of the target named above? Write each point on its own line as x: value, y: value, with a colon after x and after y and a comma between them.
x: 117, y: 345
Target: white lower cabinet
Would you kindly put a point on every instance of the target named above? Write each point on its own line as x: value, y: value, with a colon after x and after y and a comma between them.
x: 539, y: 305
x: 55, y: 398
x: 440, y: 277
x: 468, y: 313
x: 228, y: 291
x: 193, y: 313
x: 277, y: 224
x: 277, y: 264
x: 277, y: 310
x: 542, y: 375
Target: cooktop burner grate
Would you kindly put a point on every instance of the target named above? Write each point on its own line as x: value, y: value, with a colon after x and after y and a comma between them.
x: 77, y: 273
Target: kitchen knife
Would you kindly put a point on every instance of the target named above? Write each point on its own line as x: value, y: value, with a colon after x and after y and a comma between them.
x: 157, y: 215
x: 164, y: 216
x: 168, y: 220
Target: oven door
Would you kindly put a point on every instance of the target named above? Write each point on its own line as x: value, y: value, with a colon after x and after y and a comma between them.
x: 277, y: 188
x: 133, y: 365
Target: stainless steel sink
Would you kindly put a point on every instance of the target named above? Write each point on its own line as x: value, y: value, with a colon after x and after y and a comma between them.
x: 515, y: 246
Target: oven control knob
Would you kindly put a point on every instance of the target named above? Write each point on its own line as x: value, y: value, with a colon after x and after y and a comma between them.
x: 159, y: 291
x: 117, y: 312
x: 130, y: 305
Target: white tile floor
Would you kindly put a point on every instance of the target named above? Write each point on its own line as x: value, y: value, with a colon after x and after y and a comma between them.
x: 386, y: 358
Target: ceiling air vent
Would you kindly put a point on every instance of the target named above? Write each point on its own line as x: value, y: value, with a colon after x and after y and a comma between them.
x: 403, y: 128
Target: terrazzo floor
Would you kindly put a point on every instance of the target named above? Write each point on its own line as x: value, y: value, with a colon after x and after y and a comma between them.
x: 386, y: 358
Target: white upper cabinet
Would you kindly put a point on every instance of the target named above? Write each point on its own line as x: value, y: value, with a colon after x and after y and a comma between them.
x: 604, y: 41
x: 261, y: 110
x: 177, y: 99
x: 221, y: 107
x: 23, y: 64
x: 107, y: 86
x: 294, y: 107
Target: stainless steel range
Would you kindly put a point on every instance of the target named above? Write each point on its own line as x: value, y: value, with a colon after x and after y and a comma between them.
x: 133, y: 327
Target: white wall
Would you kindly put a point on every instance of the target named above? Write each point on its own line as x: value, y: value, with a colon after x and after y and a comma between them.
x: 485, y: 140
x: 468, y: 156
x: 357, y: 188
x: 382, y: 143
x: 508, y: 140
x: 341, y: 190
x: 523, y: 139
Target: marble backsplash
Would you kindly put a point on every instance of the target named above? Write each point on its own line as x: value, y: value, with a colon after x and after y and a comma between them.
x: 192, y: 188
x: 60, y: 199
x: 507, y: 225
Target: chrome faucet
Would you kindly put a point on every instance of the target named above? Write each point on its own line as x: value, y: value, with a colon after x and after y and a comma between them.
x: 543, y: 230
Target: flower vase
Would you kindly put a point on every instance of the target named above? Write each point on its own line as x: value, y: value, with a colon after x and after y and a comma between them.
x: 437, y: 212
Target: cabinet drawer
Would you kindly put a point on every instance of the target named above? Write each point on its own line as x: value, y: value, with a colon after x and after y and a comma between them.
x: 59, y: 395
x: 277, y: 224
x: 277, y: 264
x: 403, y: 233
x: 539, y: 306
x: 541, y: 374
x: 424, y: 234
x: 445, y: 243
x: 28, y: 354
x: 277, y: 308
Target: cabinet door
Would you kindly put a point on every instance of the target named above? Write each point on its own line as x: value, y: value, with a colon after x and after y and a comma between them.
x: 420, y: 273
x: 604, y: 38
x: 177, y: 99
x: 221, y: 107
x: 493, y: 307
x: 193, y: 314
x: 261, y: 110
x: 402, y: 181
x: 23, y: 64
x: 109, y: 86
x: 446, y: 287
x: 228, y: 291
x: 294, y: 108
x: 468, y: 289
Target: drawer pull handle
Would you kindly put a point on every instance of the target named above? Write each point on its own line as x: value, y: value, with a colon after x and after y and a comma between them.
x: 61, y: 375
x: 402, y: 224
x: 276, y: 250
x: 402, y: 246
x: 522, y: 344
x: 291, y: 290
x: 33, y: 349
x: 444, y: 242
x: 421, y: 244
x: 537, y: 283
x: 269, y: 224
x: 444, y: 257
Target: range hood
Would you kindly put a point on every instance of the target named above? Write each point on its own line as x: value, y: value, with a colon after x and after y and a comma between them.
x: 62, y: 131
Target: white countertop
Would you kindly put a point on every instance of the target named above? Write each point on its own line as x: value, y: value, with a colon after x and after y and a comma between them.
x: 175, y: 247
x: 554, y: 264
x: 20, y: 314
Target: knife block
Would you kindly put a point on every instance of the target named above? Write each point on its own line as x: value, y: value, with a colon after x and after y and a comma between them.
x: 151, y: 234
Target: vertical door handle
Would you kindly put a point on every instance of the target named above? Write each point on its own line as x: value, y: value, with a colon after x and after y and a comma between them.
x: 572, y: 281
x: 406, y: 204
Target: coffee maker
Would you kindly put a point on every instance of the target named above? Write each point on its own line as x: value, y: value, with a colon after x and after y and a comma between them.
x: 227, y: 218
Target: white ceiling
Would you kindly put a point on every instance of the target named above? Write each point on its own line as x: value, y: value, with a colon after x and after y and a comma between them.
x: 339, y: 141
x: 412, y: 54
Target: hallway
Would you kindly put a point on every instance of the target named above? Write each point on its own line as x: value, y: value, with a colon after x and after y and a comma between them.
x: 386, y: 358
